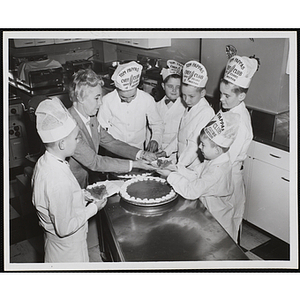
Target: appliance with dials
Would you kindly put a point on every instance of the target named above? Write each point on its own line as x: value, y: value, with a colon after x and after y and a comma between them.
x: 18, y: 147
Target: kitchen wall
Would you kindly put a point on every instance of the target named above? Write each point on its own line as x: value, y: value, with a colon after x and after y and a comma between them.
x: 181, y: 50
x: 269, y: 90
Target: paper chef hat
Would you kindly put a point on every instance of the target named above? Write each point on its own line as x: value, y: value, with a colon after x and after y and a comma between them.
x: 222, y: 129
x: 127, y: 76
x: 53, y: 121
x: 174, y: 67
x: 240, y: 70
x: 194, y: 74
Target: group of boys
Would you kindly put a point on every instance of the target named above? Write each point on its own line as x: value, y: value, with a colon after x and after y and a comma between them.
x: 180, y: 124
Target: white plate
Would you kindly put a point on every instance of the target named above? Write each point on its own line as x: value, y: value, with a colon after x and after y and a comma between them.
x: 111, y: 188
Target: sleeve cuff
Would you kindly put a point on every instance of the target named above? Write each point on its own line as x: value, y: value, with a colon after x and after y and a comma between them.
x: 91, y: 210
x: 138, y: 155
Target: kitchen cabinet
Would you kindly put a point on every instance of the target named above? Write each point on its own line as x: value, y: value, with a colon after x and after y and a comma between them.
x: 267, y: 189
x: 269, y: 89
x: 19, y: 43
x: 41, y: 42
x: 142, y: 43
x: 61, y: 41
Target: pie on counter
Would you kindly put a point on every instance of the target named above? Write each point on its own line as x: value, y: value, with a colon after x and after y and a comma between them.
x: 132, y: 174
x: 147, y: 191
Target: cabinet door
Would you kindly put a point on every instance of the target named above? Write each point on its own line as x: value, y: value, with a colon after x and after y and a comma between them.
x: 267, y: 204
x: 151, y: 43
x: 61, y: 41
x: 111, y: 40
x: 125, y: 42
x: 24, y: 43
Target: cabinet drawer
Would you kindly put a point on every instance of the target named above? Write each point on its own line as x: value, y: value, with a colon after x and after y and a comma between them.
x: 271, y: 155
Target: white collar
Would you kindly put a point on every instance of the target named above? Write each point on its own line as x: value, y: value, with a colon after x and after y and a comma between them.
x: 240, y: 106
x: 224, y: 157
x: 56, y: 157
x: 82, y: 117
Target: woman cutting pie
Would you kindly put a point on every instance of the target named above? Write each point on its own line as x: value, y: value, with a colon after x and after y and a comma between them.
x: 86, y: 94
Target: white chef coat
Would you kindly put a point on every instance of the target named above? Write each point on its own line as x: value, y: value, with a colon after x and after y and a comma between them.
x: 211, y: 181
x: 61, y: 209
x: 190, y: 126
x: 238, y: 153
x: 128, y: 121
x: 171, y: 115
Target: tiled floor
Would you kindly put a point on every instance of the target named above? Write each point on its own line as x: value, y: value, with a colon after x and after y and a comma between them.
x: 26, y: 236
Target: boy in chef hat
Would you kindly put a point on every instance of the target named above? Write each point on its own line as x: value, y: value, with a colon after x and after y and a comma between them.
x: 57, y: 196
x: 197, y: 114
x: 171, y: 107
x: 234, y: 86
x: 211, y: 180
x: 126, y: 111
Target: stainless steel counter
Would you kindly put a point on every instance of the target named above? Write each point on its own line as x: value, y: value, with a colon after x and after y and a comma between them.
x: 182, y: 230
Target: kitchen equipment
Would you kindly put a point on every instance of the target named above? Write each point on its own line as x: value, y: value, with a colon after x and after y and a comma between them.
x: 18, y: 147
x: 75, y: 65
x: 152, y: 80
x: 272, y: 129
x: 40, y: 77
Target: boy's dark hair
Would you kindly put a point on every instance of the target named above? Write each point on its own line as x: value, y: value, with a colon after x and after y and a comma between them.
x: 171, y: 76
x: 213, y: 144
x: 236, y: 89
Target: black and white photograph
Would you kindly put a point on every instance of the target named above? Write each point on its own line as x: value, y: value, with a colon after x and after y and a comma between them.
x: 150, y: 150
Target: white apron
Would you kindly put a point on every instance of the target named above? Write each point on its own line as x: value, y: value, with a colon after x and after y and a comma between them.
x: 171, y: 119
x: 61, y: 209
x: 128, y: 121
x: 238, y: 153
x: 191, y: 124
x: 211, y: 181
